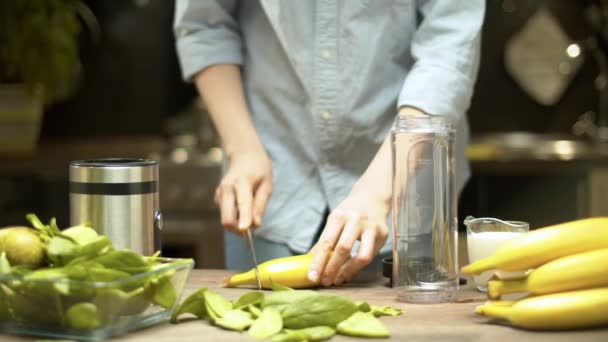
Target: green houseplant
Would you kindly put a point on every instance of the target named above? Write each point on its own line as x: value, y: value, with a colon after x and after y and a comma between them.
x: 39, y: 60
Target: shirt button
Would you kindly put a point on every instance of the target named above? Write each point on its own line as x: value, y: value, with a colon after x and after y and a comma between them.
x: 326, y: 115
x: 325, y: 54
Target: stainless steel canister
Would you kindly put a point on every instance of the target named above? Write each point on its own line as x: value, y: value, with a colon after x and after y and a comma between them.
x: 119, y: 198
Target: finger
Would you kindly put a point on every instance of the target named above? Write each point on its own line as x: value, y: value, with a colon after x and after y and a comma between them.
x: 244, y: 200
x: 367, y: 250
x: 227, y: 206
x: 325, y: 245
x: 342, y: 250
x: 262, y: 194
x: 216, y: 197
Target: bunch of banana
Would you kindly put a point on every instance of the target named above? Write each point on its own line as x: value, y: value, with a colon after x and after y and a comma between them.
x: 568, y: 281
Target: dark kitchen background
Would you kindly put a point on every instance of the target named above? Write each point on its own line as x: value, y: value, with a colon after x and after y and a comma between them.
x: 130, y: 99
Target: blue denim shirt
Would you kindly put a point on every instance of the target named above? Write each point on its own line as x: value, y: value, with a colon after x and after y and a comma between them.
x: 324, y: 79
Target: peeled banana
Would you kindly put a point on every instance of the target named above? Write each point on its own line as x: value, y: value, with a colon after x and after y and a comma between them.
x: 289, y: 271
x: 573, y: 272
x: 558, y: 311
x: 545, y: 244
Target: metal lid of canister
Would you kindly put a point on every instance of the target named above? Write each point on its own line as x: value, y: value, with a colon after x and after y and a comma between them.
x: 114, y: 176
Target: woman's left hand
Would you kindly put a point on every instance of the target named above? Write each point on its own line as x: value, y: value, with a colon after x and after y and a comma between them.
x: 361, y: 216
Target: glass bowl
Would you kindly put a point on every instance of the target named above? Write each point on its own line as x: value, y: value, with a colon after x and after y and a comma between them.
x: 81, y: 310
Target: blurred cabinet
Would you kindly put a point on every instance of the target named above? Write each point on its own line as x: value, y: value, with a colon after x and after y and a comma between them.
x: 191, y: 222
x: 598, y: 192
x: 541, y: 196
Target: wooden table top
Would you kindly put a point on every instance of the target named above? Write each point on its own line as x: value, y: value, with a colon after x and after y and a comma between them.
x: 430, y: 322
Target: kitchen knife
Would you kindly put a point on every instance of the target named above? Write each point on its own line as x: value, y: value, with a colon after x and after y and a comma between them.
x: 255, y: 260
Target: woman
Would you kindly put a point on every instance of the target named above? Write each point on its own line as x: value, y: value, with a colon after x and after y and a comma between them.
x: 303, y: 94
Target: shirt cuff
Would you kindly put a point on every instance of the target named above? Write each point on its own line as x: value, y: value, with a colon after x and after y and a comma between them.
x: 197, y: 51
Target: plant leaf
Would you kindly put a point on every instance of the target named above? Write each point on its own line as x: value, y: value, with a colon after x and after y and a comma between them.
x: 287, y: 297
x: 194, y: 304
x: 5, y: 265
x: 123, y: 260
x: 362, y: 324
x: 326, y: 310
x: 103, y: 274
x: 36, y: 223
x: 320, y: 333
x: 237, y: 320
x: 110, y: 303
x: 385, y: 311
x: 269, y: 323
x: 138, y: 301
x: 82, y: 316
x: 164, y: 292
x: 278, y: 287
x: 290, y: 336
x: 53, y: 227
x: 216, y: 305
x: 249, y: 298
x: 60, y: 251
x: 363, y: 306
x: 254, y: 310
x: 98, y: 246
x: 81, y: 234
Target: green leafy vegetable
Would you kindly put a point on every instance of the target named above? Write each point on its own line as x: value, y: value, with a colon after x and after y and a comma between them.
x: 269, y: 323
x: 320, y: 333
x: 249, y: 298
x: 86, y: 283
x: 5, y: 265
x: 81, y: 234
x: 103, y: 274
x: 385, y: 311
x: 138, y: 300
x: 194, y: 304
x: 36, y: 223
x: 328, y: 310
x: 98, y: 246
x: 278, y: 287
x: 297, y: 315
x: 82, y: 316
x: 123, y: 260
x: 35, y: 308
x: 164, y: 292
x: 237, y: 320
x: 254, y: 310
x: 363, y: 306
x: 290, y: 336
x: 61, y: 250
x: 362, y: 324
x: 287, y: 297
x: 4, y: 300
x: 216, y: 305
x: 54, y: 229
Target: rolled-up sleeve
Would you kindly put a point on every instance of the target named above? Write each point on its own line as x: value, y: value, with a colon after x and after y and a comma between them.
x: 206, y: 33
x: 445, y: 49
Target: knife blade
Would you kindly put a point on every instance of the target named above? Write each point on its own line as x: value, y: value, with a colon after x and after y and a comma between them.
x: 249, y: 239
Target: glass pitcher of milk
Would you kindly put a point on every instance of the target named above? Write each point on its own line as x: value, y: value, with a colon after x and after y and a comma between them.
x: 484, y: 235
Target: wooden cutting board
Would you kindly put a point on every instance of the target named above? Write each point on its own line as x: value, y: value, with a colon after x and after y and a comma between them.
x: 452, y: 322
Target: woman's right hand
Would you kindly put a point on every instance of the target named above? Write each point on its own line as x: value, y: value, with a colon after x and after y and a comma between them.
x: 244, y: 190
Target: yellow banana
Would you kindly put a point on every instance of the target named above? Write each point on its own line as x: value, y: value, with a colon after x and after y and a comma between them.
x: 545, y: 244
x: 289, y: 271
x: 573, y: 272
x: 558, y: 311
